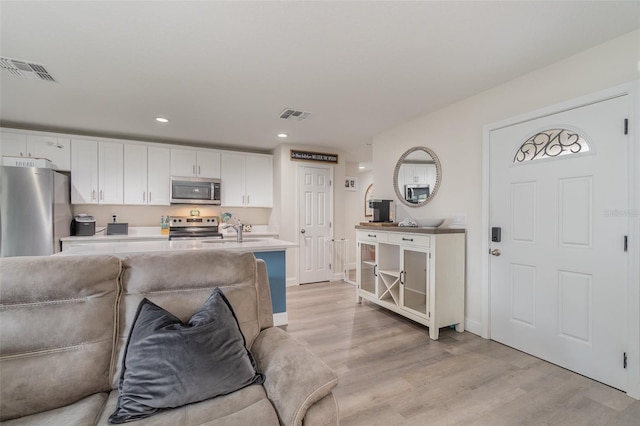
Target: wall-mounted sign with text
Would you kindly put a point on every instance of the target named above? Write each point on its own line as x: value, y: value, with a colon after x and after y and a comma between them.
x: 313, y: 156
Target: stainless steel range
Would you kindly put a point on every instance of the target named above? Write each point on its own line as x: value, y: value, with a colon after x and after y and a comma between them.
x: 193, y: 227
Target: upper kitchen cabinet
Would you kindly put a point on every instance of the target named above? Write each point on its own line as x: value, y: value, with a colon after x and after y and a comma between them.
x: 53, y: 148
x: 146, y: 175
x: 247, y: 180
x: 96, y: 172
x: 195, y: 163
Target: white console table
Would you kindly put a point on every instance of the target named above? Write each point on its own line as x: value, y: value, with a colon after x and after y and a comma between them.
x: 416, y: 272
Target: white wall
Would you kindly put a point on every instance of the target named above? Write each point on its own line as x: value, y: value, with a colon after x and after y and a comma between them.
x: 455, y: 134
x: 285, y: 201
x: 354, y: 206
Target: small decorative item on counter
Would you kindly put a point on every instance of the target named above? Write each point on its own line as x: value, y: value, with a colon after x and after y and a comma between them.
x: 225, y: 217
x: 194, y: 212
x: 164, y: 225
x: 246, y: 228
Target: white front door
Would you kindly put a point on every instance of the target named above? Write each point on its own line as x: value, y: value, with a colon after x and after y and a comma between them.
x: 315, y: 227
x: 558, y: 285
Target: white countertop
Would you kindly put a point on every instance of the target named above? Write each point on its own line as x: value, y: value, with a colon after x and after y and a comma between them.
x: 128, y: 247
x: 153, y: 233
x: 135, y: 232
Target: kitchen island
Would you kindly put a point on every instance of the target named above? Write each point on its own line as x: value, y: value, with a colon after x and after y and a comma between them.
x: 271, y: 250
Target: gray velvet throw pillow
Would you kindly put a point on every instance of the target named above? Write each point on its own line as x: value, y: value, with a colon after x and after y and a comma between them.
x: 168, y: 364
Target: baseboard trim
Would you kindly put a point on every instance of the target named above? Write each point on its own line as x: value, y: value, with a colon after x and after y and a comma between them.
x: 291, y: 282
x: 281, y: 318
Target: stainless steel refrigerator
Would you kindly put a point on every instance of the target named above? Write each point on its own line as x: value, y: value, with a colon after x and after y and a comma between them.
x: 35, y: 211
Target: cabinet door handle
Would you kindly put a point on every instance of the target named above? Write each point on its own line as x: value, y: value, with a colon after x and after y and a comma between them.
x: 375, y: 270
x: 407, y: 239
x: 21, y: 154
x: 402, y: 277
x: 194, y: 169
x: 144, y: 197
x: 371, y: 236
x: 101, y: 195
x: 93, y: 195
x: 149, y: 196
x: 198, y: 170
x: 248, y: 199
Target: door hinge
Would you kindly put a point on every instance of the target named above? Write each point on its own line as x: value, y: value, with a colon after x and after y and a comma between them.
x: 330, y: 267
x: 626, y: 126
x: 624, y: 360
x: 626, y: 243
x: 330, y: 225
x: 330, y: 182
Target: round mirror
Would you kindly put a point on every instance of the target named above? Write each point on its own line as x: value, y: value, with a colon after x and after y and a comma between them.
x: 417, y: 176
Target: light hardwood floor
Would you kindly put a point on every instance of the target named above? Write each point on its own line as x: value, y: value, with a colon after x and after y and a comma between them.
x: 390, y: 373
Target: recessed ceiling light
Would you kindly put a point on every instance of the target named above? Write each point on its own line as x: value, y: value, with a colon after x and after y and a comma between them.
x: 361, y: 167
x: 162, y: 120
x: 282, y: 135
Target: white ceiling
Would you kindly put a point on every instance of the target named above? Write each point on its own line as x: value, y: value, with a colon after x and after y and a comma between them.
x: 223, y: 71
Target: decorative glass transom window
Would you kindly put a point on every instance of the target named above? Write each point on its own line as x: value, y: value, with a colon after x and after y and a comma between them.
x: 551, y: 143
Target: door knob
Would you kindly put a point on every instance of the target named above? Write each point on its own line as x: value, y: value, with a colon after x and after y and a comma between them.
x: 302, y: 231
x: 496, y: 252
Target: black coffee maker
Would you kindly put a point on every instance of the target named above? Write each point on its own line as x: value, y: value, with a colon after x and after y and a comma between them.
x: 381, y: 210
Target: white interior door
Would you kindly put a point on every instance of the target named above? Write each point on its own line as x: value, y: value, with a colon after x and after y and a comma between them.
x: 315, y: 226
x: 559, y: 275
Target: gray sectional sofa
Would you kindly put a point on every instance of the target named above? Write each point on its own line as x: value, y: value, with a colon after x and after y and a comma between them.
x: 64, y: 324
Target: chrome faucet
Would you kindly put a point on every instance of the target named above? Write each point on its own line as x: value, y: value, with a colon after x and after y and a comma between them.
x: 237, y: 228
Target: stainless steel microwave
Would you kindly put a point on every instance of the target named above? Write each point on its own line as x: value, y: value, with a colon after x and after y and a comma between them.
x: 416, y: 193
x: 190, y: 190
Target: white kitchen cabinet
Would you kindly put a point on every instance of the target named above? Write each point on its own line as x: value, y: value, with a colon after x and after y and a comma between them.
x: 146, y: 175
x: 96, y: 172
x: 84, y: 171
x: 135, y: 174
x: 414, y: 174
x: 232, y: 180
x: 110, y: 173
x: 55, y: 149
x: 194, y: 163
x: 158, y: 176
x: 417, y: 275
x: 247, y: 180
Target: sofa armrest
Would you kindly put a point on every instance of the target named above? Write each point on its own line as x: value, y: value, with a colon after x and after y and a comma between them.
x: 295, y: 379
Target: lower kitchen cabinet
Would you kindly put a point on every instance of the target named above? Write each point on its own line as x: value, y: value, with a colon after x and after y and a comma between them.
x: 417, y: 275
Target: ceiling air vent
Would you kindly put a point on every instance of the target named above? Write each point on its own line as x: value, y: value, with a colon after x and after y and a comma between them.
x: 292, y: 114
x: 25, y: 69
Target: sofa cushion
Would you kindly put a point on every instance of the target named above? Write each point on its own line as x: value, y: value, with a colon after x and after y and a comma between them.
x: 56, y: 330
x: 168, y: 364
x: 248, y: 406
x: 181, y: 282
x: 83, y: 412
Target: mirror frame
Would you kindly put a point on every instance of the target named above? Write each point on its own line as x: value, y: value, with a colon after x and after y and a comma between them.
x: 436, y: 160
